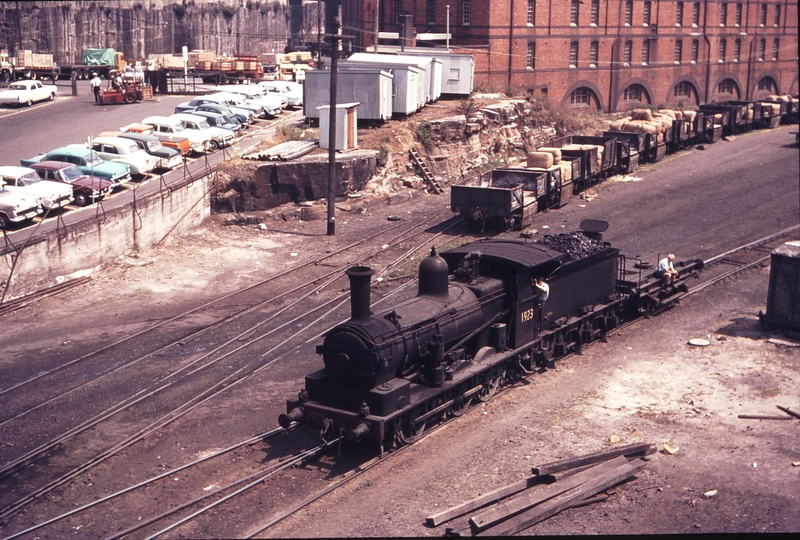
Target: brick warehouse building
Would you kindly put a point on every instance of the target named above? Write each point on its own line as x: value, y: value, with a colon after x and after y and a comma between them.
x: 609, y: 55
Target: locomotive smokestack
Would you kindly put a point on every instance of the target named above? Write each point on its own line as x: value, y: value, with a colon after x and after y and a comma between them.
x: 359, y: 292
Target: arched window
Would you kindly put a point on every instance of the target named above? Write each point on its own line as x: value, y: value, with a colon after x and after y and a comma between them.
x: 727, y: 89
x: 684, y: 89
x: 581, y: 97
x: 768, y: 85
x: 635, y: 93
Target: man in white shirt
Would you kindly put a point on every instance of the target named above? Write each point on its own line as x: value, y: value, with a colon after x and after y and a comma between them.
x: 96, y: 83
x: 665, y: 271
x: 544, y: 291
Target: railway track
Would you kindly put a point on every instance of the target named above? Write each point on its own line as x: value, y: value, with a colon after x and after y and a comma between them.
x: 718, y: 267
x: 209, y: 389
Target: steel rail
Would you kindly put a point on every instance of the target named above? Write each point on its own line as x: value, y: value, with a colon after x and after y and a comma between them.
x: 175, y: 414
x: 291, y: 463
x: 753, y: 243
x: 262, y: 436
x: 361, y: 470
x: 205, y: 305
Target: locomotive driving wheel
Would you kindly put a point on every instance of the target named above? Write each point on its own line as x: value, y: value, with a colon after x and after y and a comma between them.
x: 408, y: 430
x: 461, y: 405
x: 493, y: 381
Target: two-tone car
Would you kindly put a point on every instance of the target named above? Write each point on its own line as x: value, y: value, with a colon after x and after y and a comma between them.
x: 217, y: 138
x: 166, y: 157
x: 181, y: 144
x: 88, y: 161
x: 125, y: 151
x: 173, y: 126
x: 85, y: 188
x: 230, y: 116
x: 27, y: 93
x: 218, y: 120
x: 23, y: 180
x: 16, y: 208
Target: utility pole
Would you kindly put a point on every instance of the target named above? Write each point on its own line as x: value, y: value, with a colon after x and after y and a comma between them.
x: 377, y: 11
x: 332, y: 132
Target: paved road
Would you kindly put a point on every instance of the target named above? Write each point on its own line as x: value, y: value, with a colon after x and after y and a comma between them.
x: 69, y: 119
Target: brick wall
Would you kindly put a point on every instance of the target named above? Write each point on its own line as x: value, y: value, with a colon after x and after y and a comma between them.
x: 499, y: 35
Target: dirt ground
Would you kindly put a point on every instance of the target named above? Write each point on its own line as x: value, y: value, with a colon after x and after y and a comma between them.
x: 647, y: 384
x: 723, y: 474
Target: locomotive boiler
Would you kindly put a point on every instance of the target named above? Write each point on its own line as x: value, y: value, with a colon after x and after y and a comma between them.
x: 476, y: 322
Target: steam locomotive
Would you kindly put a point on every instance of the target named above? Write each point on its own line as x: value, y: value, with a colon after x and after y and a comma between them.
x: 476, y: 323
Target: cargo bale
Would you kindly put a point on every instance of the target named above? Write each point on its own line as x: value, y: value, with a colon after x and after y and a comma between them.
x: 542, y: 160
x: 555, y: 151
x: 642, y: 114
x: 566, y: 171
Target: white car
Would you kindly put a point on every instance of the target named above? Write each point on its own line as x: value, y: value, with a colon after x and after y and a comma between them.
x: 292, y: 91
x: 218, y: 137
x: 254, y: 96
x: 173, y: 126
x: 25, y: 181
x: 124, y: 151
x: 27, y: 92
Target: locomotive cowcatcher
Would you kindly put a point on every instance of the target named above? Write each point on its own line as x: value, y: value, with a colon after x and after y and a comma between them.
x: 476, y: 323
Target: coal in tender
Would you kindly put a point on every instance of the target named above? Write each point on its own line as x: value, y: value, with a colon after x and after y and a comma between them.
x: 575, y: 244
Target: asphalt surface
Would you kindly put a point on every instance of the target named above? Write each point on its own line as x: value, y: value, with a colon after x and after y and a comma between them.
x: 72, y: 119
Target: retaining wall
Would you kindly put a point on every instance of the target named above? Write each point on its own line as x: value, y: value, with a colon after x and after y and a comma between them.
x: 54, y: 256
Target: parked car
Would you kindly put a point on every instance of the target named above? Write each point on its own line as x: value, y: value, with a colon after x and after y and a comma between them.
x: 218, y: 138
x: 255, y: 94
x: 166, y: 157
x: 88, y: 161
x: 244, y: 120
x: 125, y: 151
x: 85, y: 188
x: 271, y: 105
x: 292, y: 91
x: 51, y: 195
x: 176, y: 142
x: 27, y: 93
x: 219, y: 121
x: 16, y: 207
x: 248, y: 114
x: 173, y: 126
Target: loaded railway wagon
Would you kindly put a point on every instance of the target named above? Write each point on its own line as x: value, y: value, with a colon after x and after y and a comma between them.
x: 513, y: 206
x: 630, y: 149
x: 476, y: 324
x: 515, y: 194
x: 598, y: 157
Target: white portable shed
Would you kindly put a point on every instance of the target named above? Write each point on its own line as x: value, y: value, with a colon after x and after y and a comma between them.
x: 458, y: 69
x: 346, y: 126
x: 407, y: 84
x: 371, y: 88
x: 432, y: 66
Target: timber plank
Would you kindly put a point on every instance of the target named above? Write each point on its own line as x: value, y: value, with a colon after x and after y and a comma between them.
x: 502, y: 511
x: 488, y: 498
x: 564, y: 500
x: 631, y: 450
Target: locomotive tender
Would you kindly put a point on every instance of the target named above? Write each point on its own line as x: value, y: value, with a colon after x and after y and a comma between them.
x: 476, y: 323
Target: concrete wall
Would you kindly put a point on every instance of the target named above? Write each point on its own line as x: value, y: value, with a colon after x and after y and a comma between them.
x: 101, y: 238
x: 139, y: 28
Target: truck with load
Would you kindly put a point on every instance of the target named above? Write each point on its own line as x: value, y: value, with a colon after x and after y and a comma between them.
x: 26, y: 64
x: 209, y: 67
